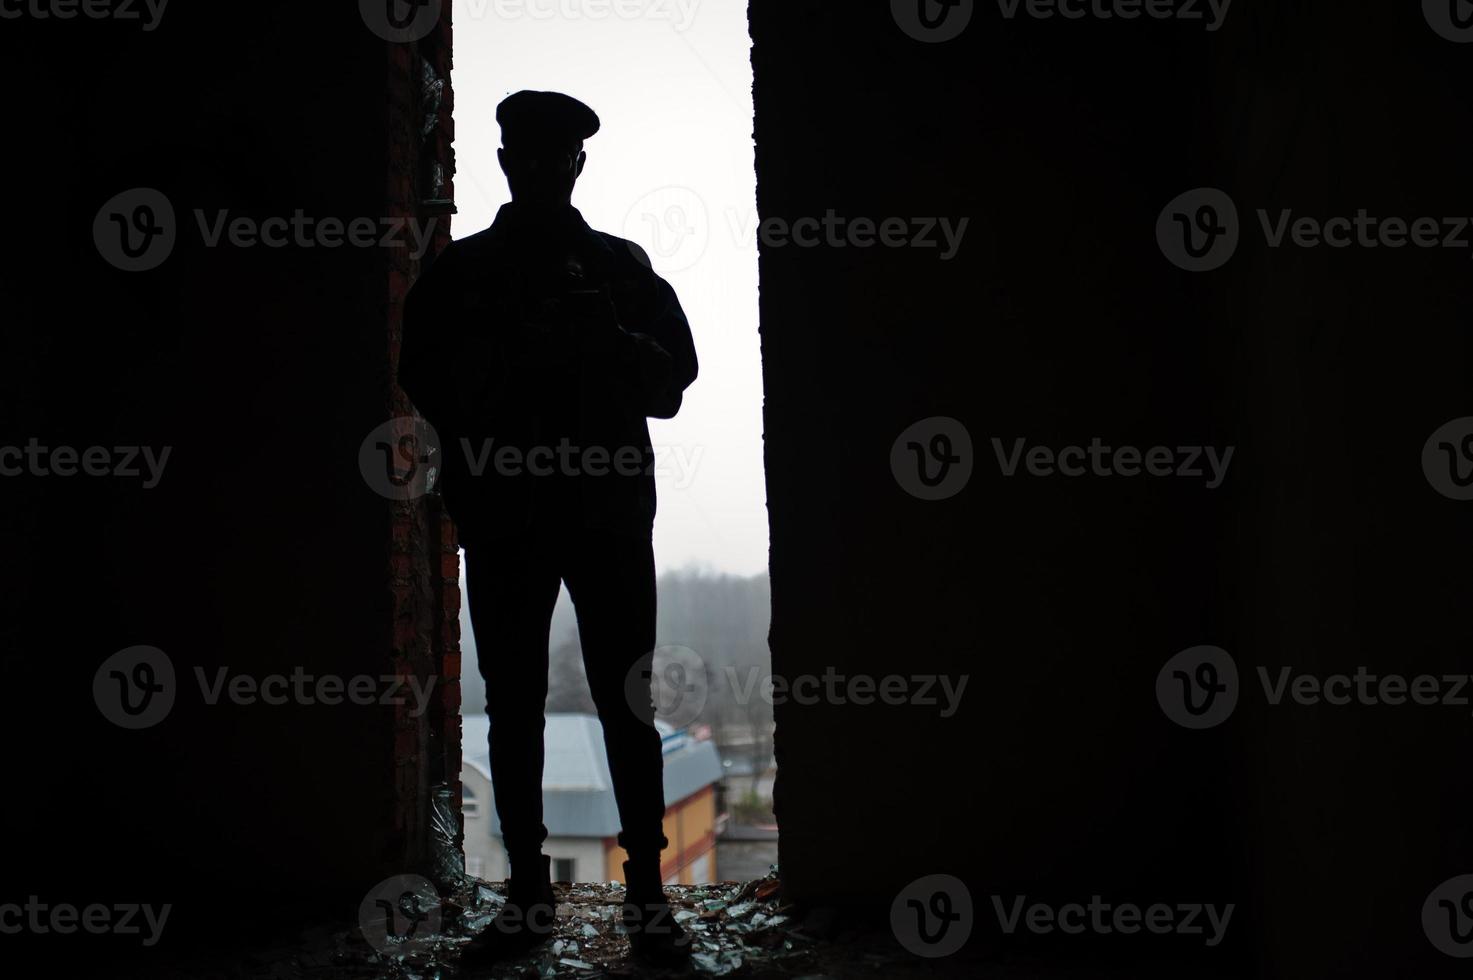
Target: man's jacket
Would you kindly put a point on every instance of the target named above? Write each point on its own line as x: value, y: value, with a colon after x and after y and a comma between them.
x: 537, y: 349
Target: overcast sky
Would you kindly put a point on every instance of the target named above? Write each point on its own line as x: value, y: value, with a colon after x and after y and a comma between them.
x: 673, y: 170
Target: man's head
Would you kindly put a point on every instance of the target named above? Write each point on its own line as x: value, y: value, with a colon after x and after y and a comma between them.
x: 542, y: 136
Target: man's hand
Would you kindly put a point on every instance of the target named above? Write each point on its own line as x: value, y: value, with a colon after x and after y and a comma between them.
x: 595, y: 322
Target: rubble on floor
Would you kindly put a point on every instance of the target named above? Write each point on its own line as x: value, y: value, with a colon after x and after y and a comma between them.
x: 738, y: 930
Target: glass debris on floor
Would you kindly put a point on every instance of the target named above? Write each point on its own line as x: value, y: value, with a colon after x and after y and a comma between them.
x: 729, y: 924
x: 738, y: 930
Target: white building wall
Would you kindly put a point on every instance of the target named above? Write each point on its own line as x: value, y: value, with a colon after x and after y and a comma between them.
x: 485, y: 858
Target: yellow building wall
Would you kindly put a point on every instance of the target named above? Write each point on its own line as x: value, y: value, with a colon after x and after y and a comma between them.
x: 690, y: 826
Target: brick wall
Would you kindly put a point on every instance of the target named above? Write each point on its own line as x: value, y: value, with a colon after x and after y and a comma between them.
x: 425, y: 558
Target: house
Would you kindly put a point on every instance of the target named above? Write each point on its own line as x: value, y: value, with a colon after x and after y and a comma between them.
x: 579, y: 809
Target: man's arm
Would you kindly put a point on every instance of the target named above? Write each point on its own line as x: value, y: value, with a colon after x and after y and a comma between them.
x: 664, y: 351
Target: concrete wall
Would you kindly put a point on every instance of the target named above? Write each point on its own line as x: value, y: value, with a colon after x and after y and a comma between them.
x: 1060, y: 321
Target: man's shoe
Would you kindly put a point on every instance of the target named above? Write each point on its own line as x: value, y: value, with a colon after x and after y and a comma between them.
x: 655, y: 938
x: 527, y: 919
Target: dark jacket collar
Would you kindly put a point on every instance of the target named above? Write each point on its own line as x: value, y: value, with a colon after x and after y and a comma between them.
x: 539, y: 220
x: 536, y: 227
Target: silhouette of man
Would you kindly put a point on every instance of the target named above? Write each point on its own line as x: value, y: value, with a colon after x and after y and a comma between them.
x: 538, y: 348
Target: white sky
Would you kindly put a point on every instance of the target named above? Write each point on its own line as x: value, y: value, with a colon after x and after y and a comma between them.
x: 672, y: 169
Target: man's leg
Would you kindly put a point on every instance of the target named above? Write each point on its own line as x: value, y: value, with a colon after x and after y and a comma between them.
x: 611, y: 578
x: 512, y: 587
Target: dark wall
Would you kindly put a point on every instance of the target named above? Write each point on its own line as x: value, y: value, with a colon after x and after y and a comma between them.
x: 262, y: 549
x: 1060, y: 321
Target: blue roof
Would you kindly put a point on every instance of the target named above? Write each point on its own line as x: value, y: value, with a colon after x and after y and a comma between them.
x: 577, y: 792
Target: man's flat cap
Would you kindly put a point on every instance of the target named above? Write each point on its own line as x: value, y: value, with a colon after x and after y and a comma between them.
x: 545, y: 117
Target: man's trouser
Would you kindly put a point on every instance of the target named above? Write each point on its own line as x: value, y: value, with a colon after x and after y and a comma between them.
x: 512, y: 586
